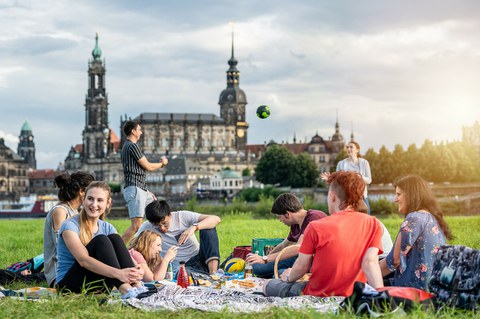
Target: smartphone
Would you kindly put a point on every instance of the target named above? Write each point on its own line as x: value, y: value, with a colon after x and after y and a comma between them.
x: 177, y: 238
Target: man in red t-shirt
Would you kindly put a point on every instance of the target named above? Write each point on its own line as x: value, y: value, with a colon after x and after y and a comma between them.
x: 337, y: 250
x: 288, y: 209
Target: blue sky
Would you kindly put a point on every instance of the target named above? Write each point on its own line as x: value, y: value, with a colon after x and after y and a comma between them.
x: 399, y: 71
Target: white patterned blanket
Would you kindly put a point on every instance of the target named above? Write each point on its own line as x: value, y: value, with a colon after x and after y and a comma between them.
x: 174, y: 297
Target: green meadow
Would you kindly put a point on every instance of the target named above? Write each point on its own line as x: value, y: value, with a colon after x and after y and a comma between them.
x: 23, y: 239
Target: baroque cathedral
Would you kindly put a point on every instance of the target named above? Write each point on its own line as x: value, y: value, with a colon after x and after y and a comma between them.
x: 213, y: 142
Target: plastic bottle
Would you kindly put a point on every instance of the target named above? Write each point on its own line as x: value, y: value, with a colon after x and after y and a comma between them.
x: 248, y: 271
x: 169, y: 274
x: 183, y: 279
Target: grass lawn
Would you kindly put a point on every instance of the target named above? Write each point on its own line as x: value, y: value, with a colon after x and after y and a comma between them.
x: 23, y: 239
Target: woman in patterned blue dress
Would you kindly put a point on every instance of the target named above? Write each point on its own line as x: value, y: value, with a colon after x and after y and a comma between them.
x: 421, y: 234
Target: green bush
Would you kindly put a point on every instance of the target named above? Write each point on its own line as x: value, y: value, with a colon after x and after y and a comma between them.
x: 253, y: 194
x: 452, y: 207
x: 383, y: 207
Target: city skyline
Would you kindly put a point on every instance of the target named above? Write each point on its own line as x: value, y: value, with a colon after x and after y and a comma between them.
x: 399, y: 76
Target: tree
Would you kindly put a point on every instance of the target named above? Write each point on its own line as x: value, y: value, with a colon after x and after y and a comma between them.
x: 278, y: 166
x: 246, y: 172
x: 275, y: 166
x: 304, y: 172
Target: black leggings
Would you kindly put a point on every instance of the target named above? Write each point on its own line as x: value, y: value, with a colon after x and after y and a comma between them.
x: 110, y: 250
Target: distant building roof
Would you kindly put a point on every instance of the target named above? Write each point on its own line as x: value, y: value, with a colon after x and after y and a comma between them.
x: 26, y: 127
x: 180, y: 117
x: 226, y: 173
x: 43, y: 174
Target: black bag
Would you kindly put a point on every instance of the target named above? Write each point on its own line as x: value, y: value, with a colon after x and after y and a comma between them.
x: 387, y: 300
x: 8, y: 277
x: 455, y: 278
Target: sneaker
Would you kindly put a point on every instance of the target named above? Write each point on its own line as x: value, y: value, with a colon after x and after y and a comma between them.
x: 131, y: 293
x: 142, y: 289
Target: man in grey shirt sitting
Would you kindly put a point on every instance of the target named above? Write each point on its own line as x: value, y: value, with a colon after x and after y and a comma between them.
x: 178, y: 228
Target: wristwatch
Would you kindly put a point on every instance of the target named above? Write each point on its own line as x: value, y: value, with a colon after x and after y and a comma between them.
x: 196, y: 226
x: 265, y: 259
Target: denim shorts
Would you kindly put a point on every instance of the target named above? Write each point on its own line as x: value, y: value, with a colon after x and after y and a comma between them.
x: 137, y: 199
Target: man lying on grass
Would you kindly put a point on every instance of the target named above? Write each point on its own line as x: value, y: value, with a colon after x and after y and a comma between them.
x: 344, y: 247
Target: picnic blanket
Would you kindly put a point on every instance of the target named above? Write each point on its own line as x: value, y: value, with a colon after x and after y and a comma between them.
x: 30, y: 293
x: 173, y: 297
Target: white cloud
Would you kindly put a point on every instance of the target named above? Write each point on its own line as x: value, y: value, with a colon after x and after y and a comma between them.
x: 401, y: 76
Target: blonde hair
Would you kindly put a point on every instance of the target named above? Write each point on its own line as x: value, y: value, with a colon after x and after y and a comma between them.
x: 86, y: 231
x: 142, y: 243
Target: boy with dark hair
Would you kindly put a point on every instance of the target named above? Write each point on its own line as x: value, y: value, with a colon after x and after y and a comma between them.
x: 289, y: 210
x: 178, y: 228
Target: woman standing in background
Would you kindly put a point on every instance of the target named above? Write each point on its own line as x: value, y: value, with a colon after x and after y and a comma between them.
x: 355, y: 163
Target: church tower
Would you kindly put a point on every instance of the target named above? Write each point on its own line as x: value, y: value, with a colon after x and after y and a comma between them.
x: 96, y: 134
x: 232, y: 103
x: 26, y: 146
x: 337, y: 138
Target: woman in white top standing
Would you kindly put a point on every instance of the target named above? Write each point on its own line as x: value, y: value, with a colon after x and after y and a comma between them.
x: 71, y: 191
x: 355, y: 163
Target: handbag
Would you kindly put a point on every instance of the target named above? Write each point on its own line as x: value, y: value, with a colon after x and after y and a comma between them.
x: 455, y: 277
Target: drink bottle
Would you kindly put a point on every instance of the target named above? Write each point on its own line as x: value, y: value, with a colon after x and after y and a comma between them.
x: 169, y: 274
x: 248, y: 271
x: 182, y: 277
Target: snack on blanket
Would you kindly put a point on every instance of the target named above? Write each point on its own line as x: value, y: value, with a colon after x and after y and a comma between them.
x: 205, y: 283
x: 244, y: 283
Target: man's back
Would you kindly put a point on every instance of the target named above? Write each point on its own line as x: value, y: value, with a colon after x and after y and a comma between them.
x: 134, y: 174
x: 339, y: 243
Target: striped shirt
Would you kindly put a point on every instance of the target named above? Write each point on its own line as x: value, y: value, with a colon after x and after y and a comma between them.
x: 134, y: 174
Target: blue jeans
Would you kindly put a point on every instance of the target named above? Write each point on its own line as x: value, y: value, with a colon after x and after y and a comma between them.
x: 267, y: 270
x: 209, y: 250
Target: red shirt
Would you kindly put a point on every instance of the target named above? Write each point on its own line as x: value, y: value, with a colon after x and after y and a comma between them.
x: 338, y: 244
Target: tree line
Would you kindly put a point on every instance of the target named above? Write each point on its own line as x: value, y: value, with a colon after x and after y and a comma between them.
x: 456, y: 162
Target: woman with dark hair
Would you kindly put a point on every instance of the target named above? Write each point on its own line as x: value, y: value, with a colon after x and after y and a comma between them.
x: 421, y: 234
x: 355, y: 163
x: 70, y: 193
x: 92, y: 257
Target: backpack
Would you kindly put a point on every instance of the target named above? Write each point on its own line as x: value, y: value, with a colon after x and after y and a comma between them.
x: 35, y: 265
x: 387, y: 300
x: 455, y: 277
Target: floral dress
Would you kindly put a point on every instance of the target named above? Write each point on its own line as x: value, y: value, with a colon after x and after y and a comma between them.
x: 421, y: 234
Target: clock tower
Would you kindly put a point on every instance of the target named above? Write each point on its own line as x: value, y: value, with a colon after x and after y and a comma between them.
x: 96, y: 134
x: 232, y: 103
x: 26, y: 146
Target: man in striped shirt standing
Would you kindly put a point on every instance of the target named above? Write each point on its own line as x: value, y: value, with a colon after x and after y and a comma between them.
x: 135, y: 166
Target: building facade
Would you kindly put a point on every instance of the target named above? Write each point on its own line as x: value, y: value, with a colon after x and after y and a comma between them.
x: 13, y: 173
x: 209, y: 141
x: 41, y: 181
